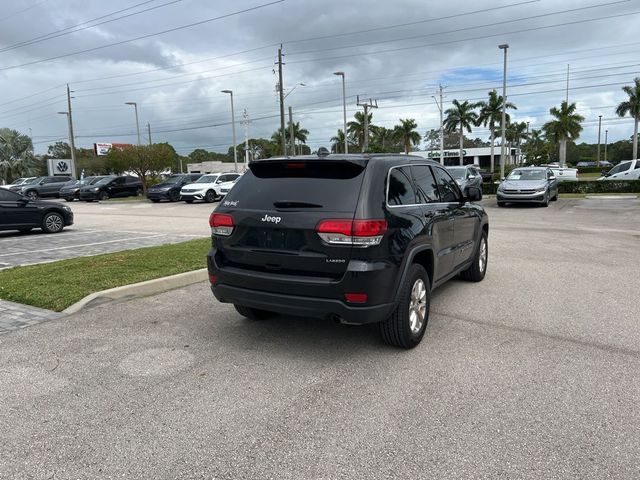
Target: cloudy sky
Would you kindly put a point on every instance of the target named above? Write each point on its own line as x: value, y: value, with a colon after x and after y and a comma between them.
x: 173, y: 57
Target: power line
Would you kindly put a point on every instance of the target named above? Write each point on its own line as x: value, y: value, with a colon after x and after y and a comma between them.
x: 11, y: 15
x: 69, y: 30
x: 122, y: 42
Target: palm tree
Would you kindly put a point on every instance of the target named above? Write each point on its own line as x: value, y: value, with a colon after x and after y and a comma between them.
x: 16, y: 155
x: 337, y: 142
x: 406, y: 133
x: 460, y: 117
x: 516, y: 133
x: 355, y: 128
x: 632, y: 107
x: 491, y: 115
x: 565, y: 127
x: 300, y: 134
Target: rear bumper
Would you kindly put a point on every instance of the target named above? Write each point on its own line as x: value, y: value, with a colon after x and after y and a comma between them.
x: 302, y: 306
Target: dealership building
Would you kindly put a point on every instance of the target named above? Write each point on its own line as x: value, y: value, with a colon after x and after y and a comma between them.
x: 471, y: 156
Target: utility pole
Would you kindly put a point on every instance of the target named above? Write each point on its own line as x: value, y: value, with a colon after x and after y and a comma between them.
x: 291, y: 139
x: 366, y: 106
x: 280, y: 89
x: 233, y: 131
x: 441, y: 129
x: 606, y: 134
x: 72, y: 141
x: 599, y: 129
x: 344, y: 112
x: 149, y: 132
x: 245, y: 117
x: 567, y: 96
x: 504, y: 47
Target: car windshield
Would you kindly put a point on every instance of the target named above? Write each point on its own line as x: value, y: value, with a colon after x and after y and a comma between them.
x: 527, y: 175
x: 32, y: 181
x: 207, y: 179
x: 172, y: 179
x: 17, y: 181
x: 457, y: 173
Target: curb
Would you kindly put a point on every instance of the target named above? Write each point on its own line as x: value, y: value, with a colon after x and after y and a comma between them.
x: 612, y: 197
x: 135, y: 290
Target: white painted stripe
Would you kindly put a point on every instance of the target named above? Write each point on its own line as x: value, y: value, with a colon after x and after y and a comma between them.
x: 80, y: 246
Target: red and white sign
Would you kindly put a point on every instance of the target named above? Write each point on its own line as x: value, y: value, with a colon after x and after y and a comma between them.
x: 103, y: 148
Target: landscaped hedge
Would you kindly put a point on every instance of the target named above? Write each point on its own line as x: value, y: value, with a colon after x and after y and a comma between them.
x: 593, y: 169
x: 601, y: 186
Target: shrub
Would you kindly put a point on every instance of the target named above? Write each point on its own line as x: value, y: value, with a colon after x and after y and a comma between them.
x: 602, y: 186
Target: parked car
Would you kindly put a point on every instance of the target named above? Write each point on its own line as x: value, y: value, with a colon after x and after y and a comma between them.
x: 466, y: 176
x: 628, y: 170
x: 602, y: 163
x: 17, y: 182
x: 206, y: 188
x: 528, y: 185
x: 353, y: 238
x: 17, y: 188
x: 487, y: 176
x: 70, y: 191
x: 226, y: 187
x: 111, y: 187
x: 42, y: 187
x: 169, y: 188
x: 23, y: 214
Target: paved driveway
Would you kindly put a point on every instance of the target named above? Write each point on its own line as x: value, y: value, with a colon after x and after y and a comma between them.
x: 532, y: 373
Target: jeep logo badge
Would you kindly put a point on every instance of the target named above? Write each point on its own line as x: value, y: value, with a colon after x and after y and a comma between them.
x: 270, y: 219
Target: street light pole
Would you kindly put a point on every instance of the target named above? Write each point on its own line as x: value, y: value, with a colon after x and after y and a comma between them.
x: 606, y: 133
x: 505, y: 47
x: 135, y: 106
x: 71, y: 142
x: 233, y: 131
x: 344, y: 111
x: 599, y: 129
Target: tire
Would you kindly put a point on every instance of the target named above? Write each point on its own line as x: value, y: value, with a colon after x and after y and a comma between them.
x: 155, y: 200
x: 189, y: 201
x: 174, y: 196
x: 478, y: 269
x: 545, y: 203
x: 32, y: 195
x: 555, y: 198
x: 102, y: 196
x: 52, y: 223
x: 253, y: 313
x: 139, y: 192
x: 69, y: 199
x: 399, y: 329
x: 210, y: 196
x: 501, y: 204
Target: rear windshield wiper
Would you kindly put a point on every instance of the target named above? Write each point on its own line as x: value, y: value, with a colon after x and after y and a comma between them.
x: 294, y: 204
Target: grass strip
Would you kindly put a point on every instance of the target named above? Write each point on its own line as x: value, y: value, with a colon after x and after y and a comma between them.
x: 584, y: 195
x: 57, y: 285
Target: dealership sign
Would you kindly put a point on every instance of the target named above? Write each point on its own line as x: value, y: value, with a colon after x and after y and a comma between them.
x: 103, y: 148
x: 447, y: 153
x: 60, y: 166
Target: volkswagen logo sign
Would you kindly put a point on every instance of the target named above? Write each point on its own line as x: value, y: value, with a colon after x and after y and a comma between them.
x: 62, y: 166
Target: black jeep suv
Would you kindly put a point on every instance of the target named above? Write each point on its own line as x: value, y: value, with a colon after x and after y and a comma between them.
x: 355, y: 238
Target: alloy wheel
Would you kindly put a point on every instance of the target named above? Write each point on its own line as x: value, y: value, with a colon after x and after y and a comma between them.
x: 54, y: 223
x: 417, y: 306
x: 482, y: 258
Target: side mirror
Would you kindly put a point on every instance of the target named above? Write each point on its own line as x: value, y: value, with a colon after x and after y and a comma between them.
x: 552, y: 177
x: 474, y: 194
x: 471, y: 177
x: 41, y: 182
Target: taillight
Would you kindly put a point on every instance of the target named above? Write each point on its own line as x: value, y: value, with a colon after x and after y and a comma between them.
x: 356, y: 297
x: 221, y: 224
x: 360, y: 233
x: 213, y: 279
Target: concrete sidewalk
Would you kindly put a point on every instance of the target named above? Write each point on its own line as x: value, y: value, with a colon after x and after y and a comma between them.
x: 14, y: 316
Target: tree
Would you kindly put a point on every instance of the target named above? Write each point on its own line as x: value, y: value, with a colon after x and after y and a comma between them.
x: 384, y: 140
x: 632, y: 107
x: 16, y: 155
x: 355, y: 128
x: 475, y: 143
x: 460, y: 117
x: 407, y: 134
x: 565, y: 126
x: 143, y: 160
x: 300, y: 134
x: 59, y: 150
x: 491, y: 115
x: 516, y: 133
x: 536, y: 149
x: 432, y: 139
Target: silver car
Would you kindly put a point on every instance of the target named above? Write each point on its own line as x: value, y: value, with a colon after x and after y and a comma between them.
x: 528, y: 185
x: 466, y: 176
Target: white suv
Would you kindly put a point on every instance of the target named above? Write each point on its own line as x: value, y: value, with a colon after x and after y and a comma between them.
x: 629, y: 170
x: 207, y: 187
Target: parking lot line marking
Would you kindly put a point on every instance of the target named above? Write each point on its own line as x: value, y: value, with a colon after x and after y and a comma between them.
x: 38, y: 237
x: 80, y: 246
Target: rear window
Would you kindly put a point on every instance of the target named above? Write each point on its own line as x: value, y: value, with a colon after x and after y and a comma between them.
x: 331, y: 186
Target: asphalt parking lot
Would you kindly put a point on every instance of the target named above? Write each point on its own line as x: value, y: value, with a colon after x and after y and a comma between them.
x: 108, y: 227
x: 532, y: 373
